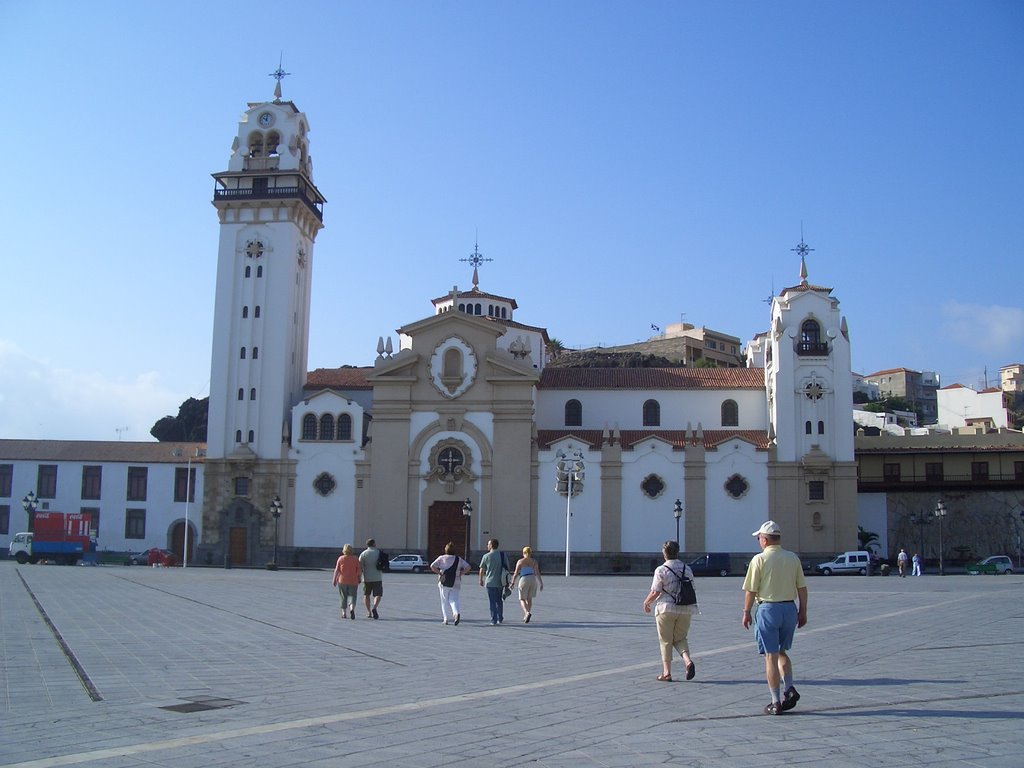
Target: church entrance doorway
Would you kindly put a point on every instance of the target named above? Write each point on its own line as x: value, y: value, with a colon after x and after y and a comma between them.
x: 238, y: 549
x: 446, y: 523
x: 178, y: 541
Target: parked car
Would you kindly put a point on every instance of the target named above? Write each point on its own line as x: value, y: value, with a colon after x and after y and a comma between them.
x: 711, y: 564
x: 846, y: 562
x: 160, y: 556
x: 413, y: 563
x: 996, y: 564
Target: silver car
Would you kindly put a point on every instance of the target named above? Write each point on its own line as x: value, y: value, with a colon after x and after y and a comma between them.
x: 413, y: 563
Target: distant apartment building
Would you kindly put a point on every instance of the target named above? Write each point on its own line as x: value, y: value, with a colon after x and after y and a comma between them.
x: 1011, y: 378
x: 919, y: 388
x: 961, y: 406
x: 688, y: 344
x: 867, y: 388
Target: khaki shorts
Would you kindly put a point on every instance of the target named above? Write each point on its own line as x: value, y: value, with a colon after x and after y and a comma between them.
x: 527, y: 587
x: 375, y: 588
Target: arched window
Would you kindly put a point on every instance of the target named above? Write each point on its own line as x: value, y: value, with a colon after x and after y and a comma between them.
x: 259, y: 271
x: 344, y: 426
x: 503, y: 313
x: 810, y: 332
x: 477, y: 309
x: 238, y: 435
x: 241, y: 393
x: 255, y: 144
x: 452, y: 366
x: 255, y: 353
x: 821, y: 427
x: 327, y: 427
x: 252, y: 436
x: 574, y: 413
x: 273, y: 139
x: 248, y: 271
x: 252, y: 393
x: 256, y: 311
x: 245, y: 312
x: 807, y: 428
x: 730, y: 414
x: 652, y: 413
x: 462, y: 307
x: 242, y: 354
x: 309, y: 427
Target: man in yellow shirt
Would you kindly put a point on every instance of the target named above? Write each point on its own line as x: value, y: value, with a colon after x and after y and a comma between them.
x: 774, y: 580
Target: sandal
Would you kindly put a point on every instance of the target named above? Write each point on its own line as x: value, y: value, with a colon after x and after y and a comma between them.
x: 691, y: 670
x: 664, y: 678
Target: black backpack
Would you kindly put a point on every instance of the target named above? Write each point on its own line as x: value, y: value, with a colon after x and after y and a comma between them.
x: 382, y: 561
x: 687, y: 595
x: 449, y: 574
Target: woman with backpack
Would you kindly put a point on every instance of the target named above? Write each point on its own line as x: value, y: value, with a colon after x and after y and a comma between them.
x: 676, y: 603
x: 449, y: 568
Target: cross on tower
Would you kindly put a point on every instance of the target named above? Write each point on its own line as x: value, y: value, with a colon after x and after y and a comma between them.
x: 476, y: 259
x: 279, y: 74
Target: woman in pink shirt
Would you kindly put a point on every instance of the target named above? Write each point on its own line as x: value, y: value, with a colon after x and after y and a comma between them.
x: 346, y: 579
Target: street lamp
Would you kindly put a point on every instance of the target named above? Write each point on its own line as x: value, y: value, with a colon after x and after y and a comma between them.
x: 1018, y: 538
x: 275, y: 509
x: 467, y: 512
x: 29, y: 504
x: 677, y: 512
x: 940, y: 512
x: 569, y: 473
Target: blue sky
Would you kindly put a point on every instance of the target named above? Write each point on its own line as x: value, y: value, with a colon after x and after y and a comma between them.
x: 624, y: 164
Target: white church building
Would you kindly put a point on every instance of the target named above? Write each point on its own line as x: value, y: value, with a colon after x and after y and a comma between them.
x: 456, y: 431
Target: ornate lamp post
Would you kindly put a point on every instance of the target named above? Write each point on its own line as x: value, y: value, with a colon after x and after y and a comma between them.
x: 569, y: 474
x: 467, y: 512
x: 940, y: 512
x: 275, y: 509
x: 677, y: 512
x: 29, y: 504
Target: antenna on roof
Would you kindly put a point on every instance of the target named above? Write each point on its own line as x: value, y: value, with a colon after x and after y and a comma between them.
x: 120, y: 431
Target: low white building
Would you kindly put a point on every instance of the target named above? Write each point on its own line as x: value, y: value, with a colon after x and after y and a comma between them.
x: 961, y: 406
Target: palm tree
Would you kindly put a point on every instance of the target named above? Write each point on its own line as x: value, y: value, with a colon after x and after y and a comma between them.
x: 866, y: 538
x: 555, y: 347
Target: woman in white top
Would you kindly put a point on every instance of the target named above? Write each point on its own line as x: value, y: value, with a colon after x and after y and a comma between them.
x: 450, y: 612
x: 673, y: 620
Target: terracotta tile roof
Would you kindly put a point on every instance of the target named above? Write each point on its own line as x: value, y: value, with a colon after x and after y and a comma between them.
x: 100, y: 451
x: 890, y: 370
x: 338, y: 378
x: 803, y: 287
x: 475, y: 293
x: 677, y: 438
x: 652, y: 378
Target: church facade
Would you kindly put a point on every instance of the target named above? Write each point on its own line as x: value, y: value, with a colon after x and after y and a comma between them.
x: 458, y: 430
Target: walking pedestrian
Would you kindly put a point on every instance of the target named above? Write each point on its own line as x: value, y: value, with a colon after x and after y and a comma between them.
x: 373, y: 582
x: 529, y: 581
x: 774, y: 580
x: 902, y: 561
x: 671, y: 615
x: 347, y: 572
x: 917, y: 564
x: 449, y: 568
x: 493, y: 571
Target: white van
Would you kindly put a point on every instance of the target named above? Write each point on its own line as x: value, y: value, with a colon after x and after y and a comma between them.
x: 847, y: 562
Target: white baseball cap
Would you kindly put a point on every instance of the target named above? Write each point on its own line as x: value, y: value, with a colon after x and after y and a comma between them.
x: 768, y: 528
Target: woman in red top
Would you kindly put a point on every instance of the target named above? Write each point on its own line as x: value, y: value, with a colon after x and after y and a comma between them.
x: 346, y: 579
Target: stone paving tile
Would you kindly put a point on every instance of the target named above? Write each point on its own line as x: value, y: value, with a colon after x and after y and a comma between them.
x: 574, y: 687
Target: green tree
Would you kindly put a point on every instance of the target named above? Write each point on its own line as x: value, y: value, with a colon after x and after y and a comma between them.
x: 866, y: 538
x: 189, y: 426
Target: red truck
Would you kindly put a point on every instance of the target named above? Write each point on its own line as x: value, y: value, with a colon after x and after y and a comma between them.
x: 59, y: 536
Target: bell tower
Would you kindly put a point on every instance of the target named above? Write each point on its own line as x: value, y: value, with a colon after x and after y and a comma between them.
x: 270, y: 212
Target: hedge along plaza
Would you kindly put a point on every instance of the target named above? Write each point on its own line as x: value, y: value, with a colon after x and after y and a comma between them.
x: 168, y: 667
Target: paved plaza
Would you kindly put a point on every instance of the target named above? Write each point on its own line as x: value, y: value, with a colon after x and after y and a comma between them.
x: 129, y: 666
